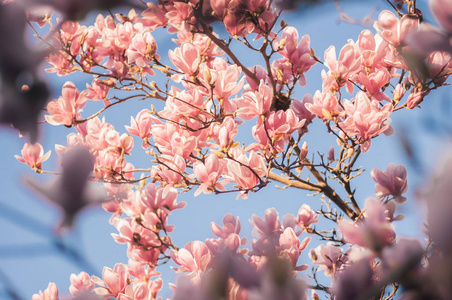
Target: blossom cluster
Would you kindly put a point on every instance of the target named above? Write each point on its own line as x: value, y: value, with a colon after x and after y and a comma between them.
x: 192, y: 142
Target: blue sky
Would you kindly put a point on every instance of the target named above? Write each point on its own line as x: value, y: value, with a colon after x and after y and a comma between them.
x: 29, y: 255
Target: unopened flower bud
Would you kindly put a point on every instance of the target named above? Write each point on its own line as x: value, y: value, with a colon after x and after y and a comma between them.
x: 331, y: 154
x: 398, y: 93
x: 207, y: 75
x: 304, y: 151
x: 282, y: 43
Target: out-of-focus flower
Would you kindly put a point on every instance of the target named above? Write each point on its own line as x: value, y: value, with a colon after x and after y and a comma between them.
x: 438, y: 196
x: 329, y: 257
x: 354, y: 281
x: 429, y: 38
x: 392, y: 181
x: 72, y: 191
x: 374, y: 231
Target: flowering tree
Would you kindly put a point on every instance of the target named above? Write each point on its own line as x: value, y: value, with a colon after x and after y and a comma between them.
x: 190, y: 134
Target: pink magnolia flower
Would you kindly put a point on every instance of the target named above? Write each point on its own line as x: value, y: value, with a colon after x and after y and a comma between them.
x: 225, y: 79
x: 373, y: 49
x: 260, y: 73
x: 374, y: 231
x: 60, y: 62
x: 141, y: 126
x: 161, y: 198
x: 415, y: 98
x: 172, y: 139
x: 70, y: 33
x: 330, y: 258
x: 268, y: 226
x: 231, y: 225
x: 395, y: 30
x: 170, y: 170
x: 439, y: 65
x: 141, y: 270
x: 268, y: 231
x: 297, y: 53
x: 142, y: 49
x: 153, y: 17
x: 209, y: 173
x: 130, y: 232
x: 343, y: 68
x: 291, y: 247
x: 225, y: 132
x: 230, y: 244
x: 80, y: 283
x: 51, y: 293
x: 98, y: 90
x: 300, y: 110
x: 184, y: 104
x: 365, y: 118
x: 324, y: 105
x: 138, y: 292
x: 66, y: 108
x: 246, y: 171
x: 179, y: 14
x: 113, y: 282
x: 306, y: 216
x: 392, y: 181
x: 278, y: 127
x: 235, y: 21
x: 186, y: 58
x: 255, y: 103
x: 194, y: 258
x: 131, y: 16
x: 33, y: 155
x: 374, y: 81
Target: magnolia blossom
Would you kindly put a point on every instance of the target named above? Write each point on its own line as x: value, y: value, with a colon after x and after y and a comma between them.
x: 66, y: 108
x: 344, y: 67
x: 395, y: 30
x: 366, y: 119
x: 324, y: 105
x: 255, y: 103
x: 354, y: 281
x: 374, y: 231
x: 231, y: 225
x: 373, y: 49
x: 392, y: 181
x: 185, y: 58
x: 142, y: 49
x: 298, y: 55
x: 329, y: 257
x: 141, y: 126
x: 193, y: 258
x: 51, y: 293
x: 113, y: 282
x: 209, y: 172
x: 306, y: 216
x: 80, y: 283
x: 33, y: 155
x: 246, y: 171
